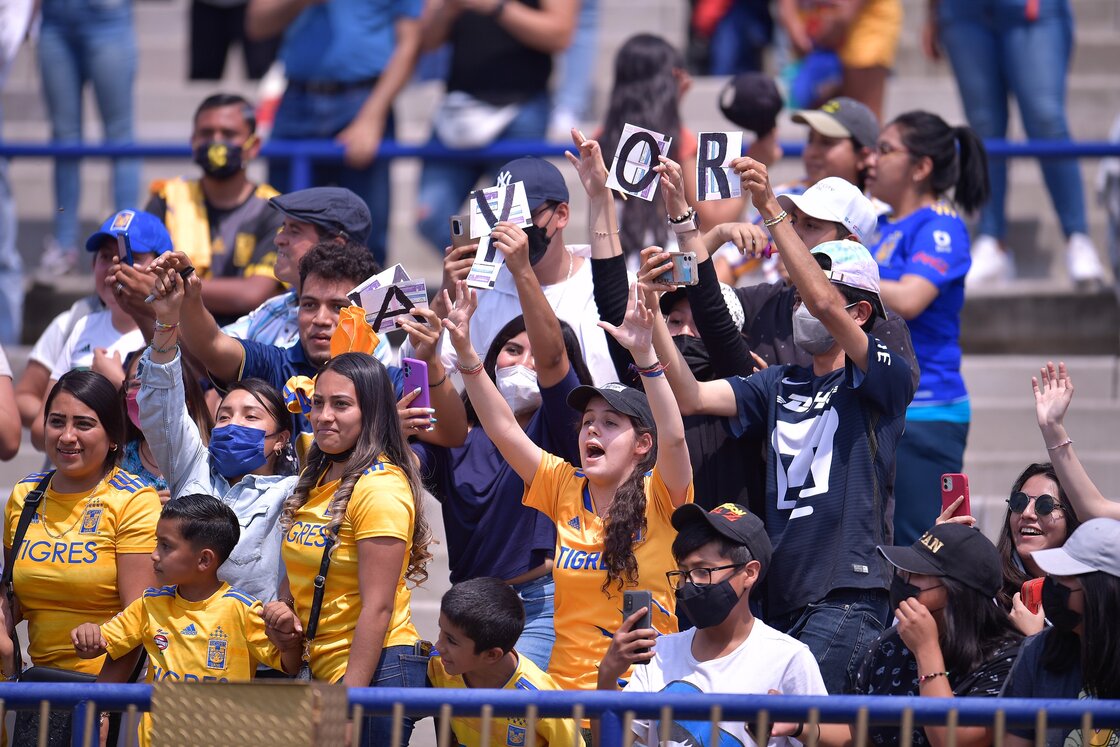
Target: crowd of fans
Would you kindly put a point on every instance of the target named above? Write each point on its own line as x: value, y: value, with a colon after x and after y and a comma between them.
x: 236, y: 459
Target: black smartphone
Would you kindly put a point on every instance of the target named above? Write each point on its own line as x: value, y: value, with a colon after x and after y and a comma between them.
x: 124, y: 248
x: 632, y: 601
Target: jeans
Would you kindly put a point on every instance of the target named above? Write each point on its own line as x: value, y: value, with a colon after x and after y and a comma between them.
x: 839, y: 630
x: 11, y: 265
x: 444, y: 185
x: 539, y: 634
x: 314, y: 116
x: 927, y: 450
x: 740, y: 38
x: 88, y: 41
x: 996, y: 52
x: 398, y: 667
x: 573, y: 94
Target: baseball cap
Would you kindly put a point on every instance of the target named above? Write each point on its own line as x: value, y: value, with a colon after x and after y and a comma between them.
x: 334, y: 209
x: 625, y: 399
x: 853, y: 266
x: 752, y: 101
x: 543, y: 181
x: 735, y: 523
x: 146, y: 232
x: 958, y: 552
x: 842, y: 117
x: 838, y: 200
x: 1093, y: 546
x: 734, y: 305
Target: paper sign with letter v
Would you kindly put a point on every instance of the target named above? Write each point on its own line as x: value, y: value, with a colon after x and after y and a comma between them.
x: 489, y: 207
x: 387, y: 295
x: 715, y: 179
x: 634, y: 159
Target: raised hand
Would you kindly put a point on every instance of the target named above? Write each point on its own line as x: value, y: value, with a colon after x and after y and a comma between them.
x: 1053, y: 392
x: 672, y: 186
x: 636, y: 332
x: 424, y: 337
x: 755, y: 180
x: 655, y: 263
x: 589, y: 165
x: 628, y: 646
x: 458, y: 321
x: 751, y: 240
x: 513, y: 242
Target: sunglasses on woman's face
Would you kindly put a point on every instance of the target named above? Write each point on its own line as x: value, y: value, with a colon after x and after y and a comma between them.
x: 1043, y: 504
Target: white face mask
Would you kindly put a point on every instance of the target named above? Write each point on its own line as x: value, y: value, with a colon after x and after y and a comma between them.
x: 809, y: 333
x: 518, y: 387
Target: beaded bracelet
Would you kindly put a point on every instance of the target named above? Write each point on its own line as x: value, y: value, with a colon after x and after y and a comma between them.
x: 440, y: 382
x: 649, y: 372
x: 605, y: 234
x: 776, y: 219
x: 160, y: 325
x: 470, y: 370
x: 931, y: 676
x: 167, y: 349
x: 1067, y: 442
x: 683, y: 217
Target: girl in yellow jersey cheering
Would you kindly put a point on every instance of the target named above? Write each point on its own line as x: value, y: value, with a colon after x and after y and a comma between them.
x: 612, y: 512
x: 361, y: 490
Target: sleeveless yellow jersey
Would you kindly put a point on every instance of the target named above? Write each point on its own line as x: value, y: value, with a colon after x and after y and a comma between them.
x: 506, y: 731
x: 65, y: 571
x: 586, y: 616
x: 380, y: 506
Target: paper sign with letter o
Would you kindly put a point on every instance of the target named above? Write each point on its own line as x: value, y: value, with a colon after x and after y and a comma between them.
x: 634, y: 158
x: 715, y: 179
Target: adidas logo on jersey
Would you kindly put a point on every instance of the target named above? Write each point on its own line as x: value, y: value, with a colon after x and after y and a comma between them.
x: 189, y: 630
x: 574, y: 522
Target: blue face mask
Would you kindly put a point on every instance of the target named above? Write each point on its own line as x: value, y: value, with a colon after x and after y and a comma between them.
x: 237, y: 450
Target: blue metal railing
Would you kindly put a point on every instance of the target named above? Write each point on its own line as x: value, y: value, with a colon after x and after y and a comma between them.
x: 612, y: 709
x: 303, y: 153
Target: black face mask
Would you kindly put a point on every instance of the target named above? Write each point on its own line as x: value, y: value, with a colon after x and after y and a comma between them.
x: 538, y: 243
x: 695, y: 354
x: 901, y: 591
x: 1055, y: 601
x: 219, y: 160
x: 707, y: 606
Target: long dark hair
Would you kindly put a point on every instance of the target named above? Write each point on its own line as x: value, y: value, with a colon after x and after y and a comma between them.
x: 1014, y: 575
x: 974, y: 628
x: 380, y: 434
x: 271, y: 400
x: 625, y: 522
x: 512, y: 329
x: 1098, y: 648
x: 197, y: 409
x: 960, y: 161
x: 645, y: 94
x: 98, y: 394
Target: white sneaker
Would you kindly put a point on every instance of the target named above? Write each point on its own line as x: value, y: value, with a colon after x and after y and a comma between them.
x: 990, y: 264
x: 1083, y: 262
x: 57, y: 259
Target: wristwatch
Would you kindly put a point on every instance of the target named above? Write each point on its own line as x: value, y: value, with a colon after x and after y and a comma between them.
x: 689, y: 221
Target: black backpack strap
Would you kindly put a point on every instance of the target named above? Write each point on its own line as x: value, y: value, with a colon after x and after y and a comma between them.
x: 30, y: 507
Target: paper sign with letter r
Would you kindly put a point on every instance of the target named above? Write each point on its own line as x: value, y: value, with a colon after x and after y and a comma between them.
x: 715, y: 179
x: 634, y: 159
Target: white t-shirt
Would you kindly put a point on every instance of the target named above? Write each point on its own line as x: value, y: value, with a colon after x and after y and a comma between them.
x: 92, y: 332
x: 767, y: 660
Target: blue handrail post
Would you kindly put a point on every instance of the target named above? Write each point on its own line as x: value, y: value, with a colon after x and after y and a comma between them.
x: 610, y: 729
x: 78, y: 725
x: 300, y: 170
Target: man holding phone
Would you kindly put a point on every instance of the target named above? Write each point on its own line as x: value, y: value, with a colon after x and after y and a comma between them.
x: 721, y: 555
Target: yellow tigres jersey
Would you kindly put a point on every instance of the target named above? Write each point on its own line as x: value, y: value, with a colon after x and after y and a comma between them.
x: 380, y: 506
x: 505, y: 731
x: 586, y: 616
x: 220, y: 639
x: 69, y: 576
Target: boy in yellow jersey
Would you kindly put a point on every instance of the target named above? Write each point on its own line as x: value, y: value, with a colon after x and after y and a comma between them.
x: 196, y: 628
x: 479, y: 621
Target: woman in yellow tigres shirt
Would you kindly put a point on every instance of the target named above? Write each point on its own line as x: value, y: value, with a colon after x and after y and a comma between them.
x: 361, y: 488
x: 87, y: 554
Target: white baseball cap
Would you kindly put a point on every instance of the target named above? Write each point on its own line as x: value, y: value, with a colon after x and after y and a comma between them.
x: 839, y: 201
x: 1093, y: 546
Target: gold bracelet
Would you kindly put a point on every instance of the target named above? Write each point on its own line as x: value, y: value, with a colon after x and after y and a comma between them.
x: 776, y: 219
x: 605, y: 234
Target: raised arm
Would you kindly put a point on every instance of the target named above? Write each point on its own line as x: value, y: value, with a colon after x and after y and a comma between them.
x: 497, y: 419
x: 450, y: 426
x: 10, y: 431
x: 198, y: 332
x: 817, y: 293
x: 636, y: 335
x: 1053, y: 392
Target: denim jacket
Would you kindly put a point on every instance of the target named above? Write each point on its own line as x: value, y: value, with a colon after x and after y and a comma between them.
x: 254, y: 566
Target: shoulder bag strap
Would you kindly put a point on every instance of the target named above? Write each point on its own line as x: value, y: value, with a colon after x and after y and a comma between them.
x: 30, y: 507
x: 320, y: 587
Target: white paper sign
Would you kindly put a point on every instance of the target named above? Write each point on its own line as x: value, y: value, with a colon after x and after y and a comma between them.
x: 634, y: 158
x: 387, y: 295
x: 715, y: 180
x: 490, y: 206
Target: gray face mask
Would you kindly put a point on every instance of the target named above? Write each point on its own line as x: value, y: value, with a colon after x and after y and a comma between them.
x: 809, y: 333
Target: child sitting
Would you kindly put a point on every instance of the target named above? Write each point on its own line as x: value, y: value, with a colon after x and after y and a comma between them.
x: 479, y: 621
x: 196, y: 628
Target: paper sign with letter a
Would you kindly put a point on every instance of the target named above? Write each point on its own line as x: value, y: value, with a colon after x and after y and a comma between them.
x: 715, y: 180
x: 632, y: 171
x: 489, y: 207
x: 389, y: 294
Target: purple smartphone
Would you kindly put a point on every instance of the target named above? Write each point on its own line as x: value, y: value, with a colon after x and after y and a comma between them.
x: 416, y: 375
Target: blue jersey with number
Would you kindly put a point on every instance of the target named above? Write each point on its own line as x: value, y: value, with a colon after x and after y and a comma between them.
x: 931, y: 243
x: 830, y: 471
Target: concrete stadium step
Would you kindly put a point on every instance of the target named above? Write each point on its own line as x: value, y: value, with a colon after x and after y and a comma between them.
x: 1011, y: 424
x: 1042, y: 319
x: 992, y: 472
x: 998, y: 377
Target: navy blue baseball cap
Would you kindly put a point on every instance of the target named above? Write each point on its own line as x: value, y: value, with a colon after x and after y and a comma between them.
x: 334, y: 209
x: 543, y: 181
x: 146, y: 232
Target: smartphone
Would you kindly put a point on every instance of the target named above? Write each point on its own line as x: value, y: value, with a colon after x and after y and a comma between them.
x: 1031, y: 594
x: 416, y: 375
x: 461, y: 230
x: 953, y: 486
x: 632, y: 601
x: 684, y: 270
x: 124, y: 248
